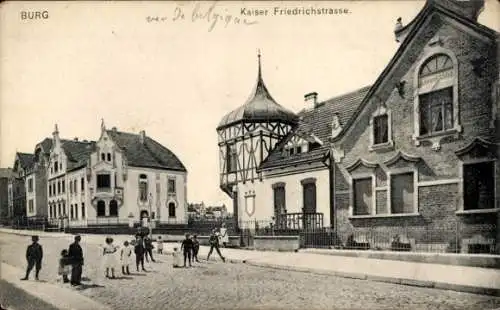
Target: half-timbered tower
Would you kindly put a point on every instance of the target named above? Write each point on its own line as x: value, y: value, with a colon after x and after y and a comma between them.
x: 246, y: 136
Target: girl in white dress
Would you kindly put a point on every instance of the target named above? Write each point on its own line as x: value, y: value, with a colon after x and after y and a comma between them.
x: 224, y: 237
x: 109, y: 257
x: 126, y: 257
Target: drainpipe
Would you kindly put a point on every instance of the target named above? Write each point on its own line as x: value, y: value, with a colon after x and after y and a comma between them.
x: 333, y: 213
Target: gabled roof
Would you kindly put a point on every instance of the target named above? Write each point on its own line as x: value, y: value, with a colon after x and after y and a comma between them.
x: 445, y: 7
x: 26, y: 160
x: 317, y: 124
x: 46, y: 145
x: 260, y: 107
x: 77, y: 152
x: 150, y: 154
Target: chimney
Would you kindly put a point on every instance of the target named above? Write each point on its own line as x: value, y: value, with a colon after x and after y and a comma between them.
x: 142, y: 136
x: 114, y: 129
x: 76, y: 139
x: 311, y: 98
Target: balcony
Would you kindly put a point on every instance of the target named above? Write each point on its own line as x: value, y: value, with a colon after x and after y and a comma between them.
x: 103, y: 190
x: 299, y: 221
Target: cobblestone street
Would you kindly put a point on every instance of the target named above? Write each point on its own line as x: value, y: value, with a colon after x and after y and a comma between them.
x: 217, y: 285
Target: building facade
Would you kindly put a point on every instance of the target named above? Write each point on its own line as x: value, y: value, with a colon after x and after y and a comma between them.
x: 418, y: 149
x: 120, y: 177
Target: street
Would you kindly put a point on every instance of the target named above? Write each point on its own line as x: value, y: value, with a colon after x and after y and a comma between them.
x: 217, y: 285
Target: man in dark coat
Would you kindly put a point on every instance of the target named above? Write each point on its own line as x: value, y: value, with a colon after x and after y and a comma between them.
x: 34, y: 255
x: 148, y: 244
x: 75, y: 253
x: 214, y: 244
x: 139, y: 251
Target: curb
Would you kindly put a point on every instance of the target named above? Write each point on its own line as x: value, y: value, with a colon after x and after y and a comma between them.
x: 401, y: 281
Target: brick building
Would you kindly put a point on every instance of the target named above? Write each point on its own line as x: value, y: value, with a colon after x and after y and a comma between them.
x: 416, y: 153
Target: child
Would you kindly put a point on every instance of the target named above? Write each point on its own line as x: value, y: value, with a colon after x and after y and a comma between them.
x: 159, y: 245
x: 64, y: 263
x: 196, y: 248
x: 109, y: 257
x: 177, y: 258
x: 34, y: 256
x: 126, y: 256
x: 187, y: 245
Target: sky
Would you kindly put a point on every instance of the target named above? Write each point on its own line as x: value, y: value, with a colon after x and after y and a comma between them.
x: 177, y: 77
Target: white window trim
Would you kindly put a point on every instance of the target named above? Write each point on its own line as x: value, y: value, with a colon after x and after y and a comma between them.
x: 461, y: 187
x: 381, y: 110
x: 436, y: 138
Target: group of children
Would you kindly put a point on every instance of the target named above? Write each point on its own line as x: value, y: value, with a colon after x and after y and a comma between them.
x: 190, y: 247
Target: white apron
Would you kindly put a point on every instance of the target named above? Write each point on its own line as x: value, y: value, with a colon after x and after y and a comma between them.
x: 110, y: 256
x: 126, y: 256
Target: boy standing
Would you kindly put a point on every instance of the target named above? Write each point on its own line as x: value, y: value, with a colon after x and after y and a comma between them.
x: 34, y: 255
x: 187, y: 245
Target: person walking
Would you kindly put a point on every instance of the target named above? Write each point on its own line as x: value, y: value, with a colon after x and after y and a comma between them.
x: 139, y: 252
x: 75, y: 254
x: 187, y: 246
x: 196, y: 248
x: 148, y: 244
x: 125, y: 257
x: 34, y: 256
x: 224, y: 237
x: 214, y: 244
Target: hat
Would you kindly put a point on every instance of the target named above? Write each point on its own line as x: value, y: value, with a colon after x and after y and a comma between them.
x: 34, y: 238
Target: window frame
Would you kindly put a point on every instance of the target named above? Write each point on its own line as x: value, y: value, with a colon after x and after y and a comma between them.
x: 444, y: 82
x: 390, y: 175
x: 462, y: 208
x: 97, y: 180
x: 352, y: 194
x: 143, y: 179
x: 174, y: 208
x: 169, y: 188
x: 382, y: 110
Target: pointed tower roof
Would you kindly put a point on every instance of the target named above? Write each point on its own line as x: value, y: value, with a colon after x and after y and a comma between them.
x: 259, y: 107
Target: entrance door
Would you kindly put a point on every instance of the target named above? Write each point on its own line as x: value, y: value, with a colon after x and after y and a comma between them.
x: 309, y: 192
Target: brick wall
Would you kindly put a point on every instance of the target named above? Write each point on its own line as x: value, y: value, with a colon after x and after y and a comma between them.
x: 437, y: 203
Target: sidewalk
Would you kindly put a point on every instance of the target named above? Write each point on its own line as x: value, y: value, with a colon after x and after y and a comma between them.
x: 458, y: 278
x: 61, y: 297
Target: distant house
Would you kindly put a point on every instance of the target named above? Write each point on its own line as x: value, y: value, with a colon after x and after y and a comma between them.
x: 217, y: 211
x: 5, y: 175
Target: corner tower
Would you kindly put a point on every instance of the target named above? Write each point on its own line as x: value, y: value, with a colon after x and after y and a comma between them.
x: 247, y: 134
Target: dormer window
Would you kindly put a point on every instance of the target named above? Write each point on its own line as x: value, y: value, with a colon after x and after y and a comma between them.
x: 299, y: 149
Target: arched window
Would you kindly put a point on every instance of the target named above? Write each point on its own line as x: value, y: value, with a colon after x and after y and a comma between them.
x: 171, y: 209
x: 103, y: 156
x: 143, y: 187
x: 109, y: 156
x: 101, y: 208
x: 436, y: 100
x: 113, y: 208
